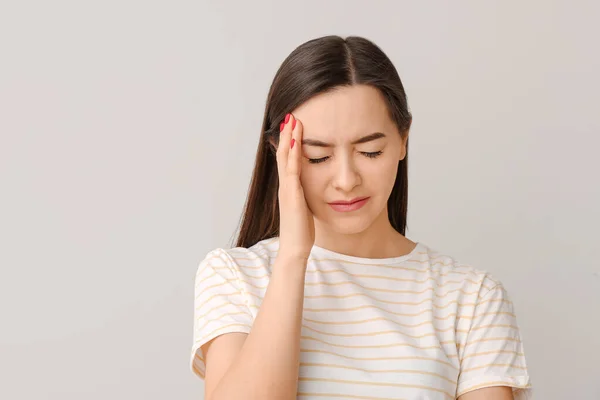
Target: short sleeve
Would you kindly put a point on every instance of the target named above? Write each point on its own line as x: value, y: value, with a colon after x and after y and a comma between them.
x: 492, y: 354
x: 220, y: 305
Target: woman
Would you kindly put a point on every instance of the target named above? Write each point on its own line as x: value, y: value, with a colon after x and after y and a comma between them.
x: 323, y: 296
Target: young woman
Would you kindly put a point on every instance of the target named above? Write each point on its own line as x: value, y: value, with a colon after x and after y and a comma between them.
x: 323, y: 296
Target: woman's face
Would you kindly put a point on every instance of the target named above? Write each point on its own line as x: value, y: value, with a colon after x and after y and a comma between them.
x: 336, y: 167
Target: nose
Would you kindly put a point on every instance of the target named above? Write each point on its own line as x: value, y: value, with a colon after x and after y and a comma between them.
x: 346, y: 175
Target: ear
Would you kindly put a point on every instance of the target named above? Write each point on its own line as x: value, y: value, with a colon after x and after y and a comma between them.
x: 403, y: 143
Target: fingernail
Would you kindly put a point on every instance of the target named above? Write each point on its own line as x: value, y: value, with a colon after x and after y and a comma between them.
x: 293, y: 124
x: 287, y: 117
x: 292, y: 143
x: 281, y: 125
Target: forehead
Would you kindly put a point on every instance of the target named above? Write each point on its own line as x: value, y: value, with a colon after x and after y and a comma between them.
x: 344, y: 114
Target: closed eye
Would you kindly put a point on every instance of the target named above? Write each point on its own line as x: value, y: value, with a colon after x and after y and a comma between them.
x: 374, y: 154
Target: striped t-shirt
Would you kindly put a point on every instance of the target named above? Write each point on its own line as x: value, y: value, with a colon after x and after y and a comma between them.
x: 418, y: 326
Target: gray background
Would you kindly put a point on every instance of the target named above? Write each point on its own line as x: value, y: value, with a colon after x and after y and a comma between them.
x: 128, y: 133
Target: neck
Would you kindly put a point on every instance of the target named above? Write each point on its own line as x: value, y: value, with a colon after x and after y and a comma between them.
x: 379, y: 240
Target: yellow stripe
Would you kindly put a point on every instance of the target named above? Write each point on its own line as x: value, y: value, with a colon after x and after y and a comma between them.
x: 204, y: 278
x: 303, y: 379
x: 388, y: 290
x: 485, y: 353
x: 406, y: 303
x: 376, y: 346
x: 340, y: 310
x: 368, y: 320
x: 369, y: 334
x: 225, y: 280
x: 337, y: 310
x: 494, y: 326
x: 394, y: 371
x: 381, y: 358
x: 492, y: 365
x: 508, y: 339
x: 216, y: 285
x: 225, y: 295
x: 200, y: 327
x: 225, y: 305
x: 387, y: 320
x: 428, y: 262
x: 465, y: 331
x: 390, y: 278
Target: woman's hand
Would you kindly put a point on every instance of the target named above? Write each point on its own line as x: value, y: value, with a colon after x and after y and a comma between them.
x: 296, y: 223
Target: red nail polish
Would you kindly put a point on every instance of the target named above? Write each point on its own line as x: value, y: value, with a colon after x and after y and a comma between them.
x: 281, y: 126
x: 287, y: 118
x: 294, y: 124
x: 292, y: 143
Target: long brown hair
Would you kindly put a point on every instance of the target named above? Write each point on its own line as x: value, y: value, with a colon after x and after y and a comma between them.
x: 318, y: 66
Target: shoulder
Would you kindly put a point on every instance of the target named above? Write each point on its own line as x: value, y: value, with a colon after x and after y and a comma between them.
x: 450, y: 268
x: 238, y: 261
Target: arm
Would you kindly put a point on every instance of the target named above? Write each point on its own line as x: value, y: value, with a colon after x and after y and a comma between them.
x: 263, y: 364
x: 492, y: 360
x: 489, y: 393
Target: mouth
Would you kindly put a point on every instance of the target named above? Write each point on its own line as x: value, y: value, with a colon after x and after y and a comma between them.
x: 347, y: 202
x: 349, y: 205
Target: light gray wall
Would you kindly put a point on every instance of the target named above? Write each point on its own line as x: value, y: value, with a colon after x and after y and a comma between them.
x: 128, y: 133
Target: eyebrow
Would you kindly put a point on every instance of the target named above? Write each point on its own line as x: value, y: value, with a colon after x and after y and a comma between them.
x: 364, y: 139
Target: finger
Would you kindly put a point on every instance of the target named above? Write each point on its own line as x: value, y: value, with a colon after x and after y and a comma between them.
x: 284, y: 145
x: 295, y: 155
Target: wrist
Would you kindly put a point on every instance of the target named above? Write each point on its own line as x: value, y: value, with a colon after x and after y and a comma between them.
x: 292, y: 259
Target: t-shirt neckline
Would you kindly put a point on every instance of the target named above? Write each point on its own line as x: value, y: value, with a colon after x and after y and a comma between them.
x: 323, y: 252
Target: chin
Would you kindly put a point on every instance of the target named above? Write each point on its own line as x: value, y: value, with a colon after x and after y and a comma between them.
x: 348, y: 226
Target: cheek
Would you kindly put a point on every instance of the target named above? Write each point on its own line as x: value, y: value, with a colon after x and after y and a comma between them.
x: 380, y: 176
x: 310, y: 181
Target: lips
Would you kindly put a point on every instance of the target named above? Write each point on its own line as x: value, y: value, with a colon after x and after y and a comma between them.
x: 347, y: 202
x: 349, y: 206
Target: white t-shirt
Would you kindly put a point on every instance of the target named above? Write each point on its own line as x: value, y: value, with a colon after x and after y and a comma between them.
x: 419, y: 326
